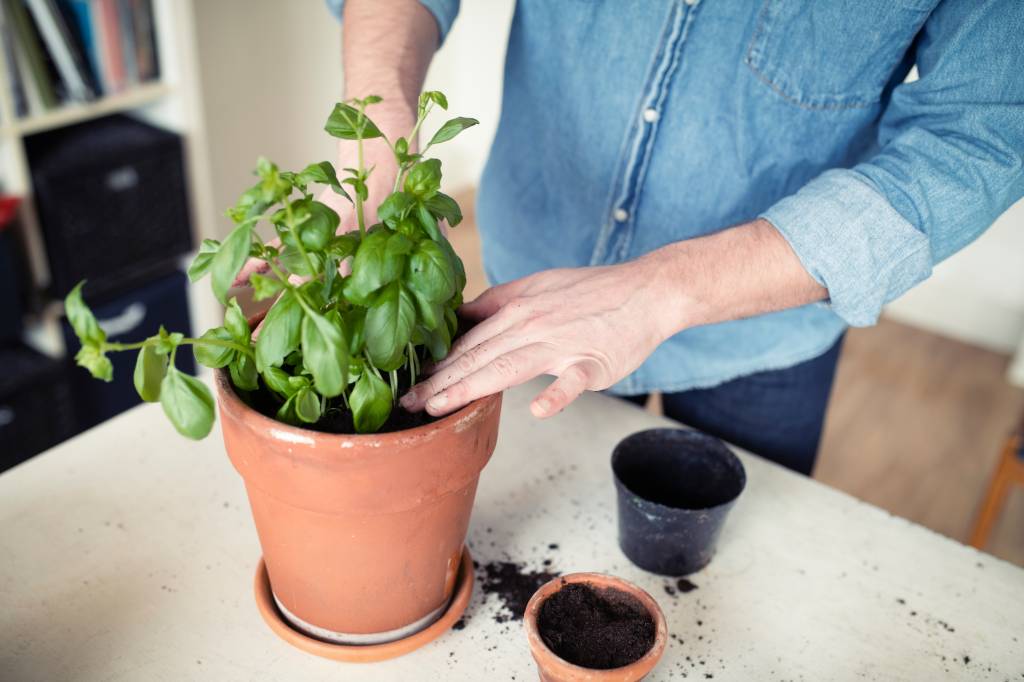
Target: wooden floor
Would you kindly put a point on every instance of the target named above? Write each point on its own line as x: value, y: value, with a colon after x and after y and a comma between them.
x: 915, y: 423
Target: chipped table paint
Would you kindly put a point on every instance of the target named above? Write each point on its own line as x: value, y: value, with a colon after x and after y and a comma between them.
x: 127, y: 554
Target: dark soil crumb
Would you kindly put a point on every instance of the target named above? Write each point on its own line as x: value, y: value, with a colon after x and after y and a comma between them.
x: 593, y: 628
x: 460, y: 624
x: 514, y: 586
x: 684, y: 586
x: 553, y: 545
x: 670, y: 591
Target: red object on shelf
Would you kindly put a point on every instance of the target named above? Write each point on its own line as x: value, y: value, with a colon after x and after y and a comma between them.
x: 8, y: 211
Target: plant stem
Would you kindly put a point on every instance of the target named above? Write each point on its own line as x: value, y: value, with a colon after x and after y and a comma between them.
x: 360, y: 218
x: 113, y: 346
x: 394, y: 385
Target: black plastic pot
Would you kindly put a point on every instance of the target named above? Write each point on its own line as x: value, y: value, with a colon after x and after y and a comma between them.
x: 675, y: 489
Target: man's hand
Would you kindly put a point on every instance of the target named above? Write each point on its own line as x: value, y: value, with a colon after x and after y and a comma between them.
x: 592, y: 326
x: 589, y: 327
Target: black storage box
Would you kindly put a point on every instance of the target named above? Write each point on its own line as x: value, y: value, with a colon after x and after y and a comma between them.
x: 36, y: 408
x: 111, y: 199
x: 130, y: 317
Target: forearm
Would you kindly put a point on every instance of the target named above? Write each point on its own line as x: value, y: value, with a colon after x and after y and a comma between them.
x: 386, y: 49
x: 743, y: 271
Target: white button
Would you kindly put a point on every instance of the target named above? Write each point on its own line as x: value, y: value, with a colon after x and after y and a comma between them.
x: 691, y: 3
x: 621, y: 215
x: 651, y: 115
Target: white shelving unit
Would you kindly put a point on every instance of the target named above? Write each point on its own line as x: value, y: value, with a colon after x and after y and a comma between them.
x: 172, y: 102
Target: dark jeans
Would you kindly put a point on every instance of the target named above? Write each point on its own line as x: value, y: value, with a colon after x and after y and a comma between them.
x: 777, y: 414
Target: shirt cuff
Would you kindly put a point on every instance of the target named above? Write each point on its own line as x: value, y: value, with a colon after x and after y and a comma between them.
x: 444, y: 12
x: 853, y: 242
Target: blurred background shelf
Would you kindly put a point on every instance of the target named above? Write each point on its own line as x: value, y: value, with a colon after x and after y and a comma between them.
x: 69, y: 114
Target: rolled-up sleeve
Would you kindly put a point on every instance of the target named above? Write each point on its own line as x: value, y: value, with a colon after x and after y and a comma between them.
x: 950, y: 161
x: 444, y: 12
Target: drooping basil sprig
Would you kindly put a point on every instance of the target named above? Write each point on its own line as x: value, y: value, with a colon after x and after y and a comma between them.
x: 333, y: 341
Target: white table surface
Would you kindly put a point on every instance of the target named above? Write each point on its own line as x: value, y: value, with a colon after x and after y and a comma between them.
x: 127, y: 553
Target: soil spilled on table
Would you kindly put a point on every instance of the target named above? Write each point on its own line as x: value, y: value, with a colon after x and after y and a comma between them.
x: 514, y: 585
x: 595, y: 628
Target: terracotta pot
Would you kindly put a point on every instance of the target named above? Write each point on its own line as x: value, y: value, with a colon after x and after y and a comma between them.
x: 362, y: 535
x: 555, y: 669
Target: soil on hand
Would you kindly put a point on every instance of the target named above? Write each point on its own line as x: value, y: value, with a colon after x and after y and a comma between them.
x: 595, y: 628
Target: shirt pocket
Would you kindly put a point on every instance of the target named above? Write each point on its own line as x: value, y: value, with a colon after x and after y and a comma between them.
x: 833, y: 55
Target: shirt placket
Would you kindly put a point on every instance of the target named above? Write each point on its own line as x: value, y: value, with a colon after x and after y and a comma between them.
x: 616, y: 234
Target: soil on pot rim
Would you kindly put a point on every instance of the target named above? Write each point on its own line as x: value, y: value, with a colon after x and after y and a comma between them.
x: 595, y: 628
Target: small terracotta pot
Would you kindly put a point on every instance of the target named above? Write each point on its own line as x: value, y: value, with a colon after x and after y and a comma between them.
x: 362, y: 535
x: 555, y: 669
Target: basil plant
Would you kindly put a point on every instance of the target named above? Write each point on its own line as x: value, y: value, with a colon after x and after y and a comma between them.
x: 330, y: 341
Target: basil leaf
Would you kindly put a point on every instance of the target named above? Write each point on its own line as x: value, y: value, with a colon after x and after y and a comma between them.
x: 280, y: 333
x: 394, y: 208
x: 424, y: 179
x: 398, y: 244
x: 325, y: 352
x: 286, y: 413
x: 457, y: 266
x: 187, y: 402
x: 373, y: 267
x: 81, y: 318
x: 451, y: 128
x: 210, y: 355
x: 235, y: 323
x: 434, y: 96
x: 276, y: 380
x: 307, y: 406
x: 431, y: 274
x: 320, y: 227
x: 355, y: 323
x: 243, y: 372
x: 342, y: 246
x: 429, y: 223
x: 431, y: 314
x: 344, y: 122
x: 438, y: 341
x: 370, y: 401
x: 323, y: 173
x: 203, y: 260
x: 443, y: 206
x: 93, y: 359
x: 229, y: 259
x: 150, y: 368
x: 264, y: 287
x: 389, y: 324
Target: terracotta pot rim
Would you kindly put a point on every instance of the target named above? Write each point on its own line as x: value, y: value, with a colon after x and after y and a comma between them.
x: 231, y: 402
x: 600, y: 580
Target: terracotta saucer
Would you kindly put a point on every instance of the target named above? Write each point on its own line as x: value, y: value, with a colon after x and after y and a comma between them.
x: 368, y: 653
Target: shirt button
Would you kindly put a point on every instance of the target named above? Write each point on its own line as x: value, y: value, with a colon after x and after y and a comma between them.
x: 621, y: 215
x: 651, y: 115
x: 691, y: 3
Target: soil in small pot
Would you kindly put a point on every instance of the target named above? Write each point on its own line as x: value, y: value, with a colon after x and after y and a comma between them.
x: 595, y: 628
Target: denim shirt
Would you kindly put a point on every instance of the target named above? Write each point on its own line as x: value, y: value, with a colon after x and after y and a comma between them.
x: 629, y: 125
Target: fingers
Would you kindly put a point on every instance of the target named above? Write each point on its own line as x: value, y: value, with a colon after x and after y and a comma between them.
x: 503, y: 372
x: 486, y: 330
x: 491, y: 301
x: 467, y: 363
x: 252, y: 266
x: 565, y: 389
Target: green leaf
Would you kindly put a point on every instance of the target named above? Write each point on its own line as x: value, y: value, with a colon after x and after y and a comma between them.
x: 355, y: 324
x: 452, y: 128
x: 229, y: 260
x: 398, y: 244
x: 165, y: 342
x: 324, y: 174
x: 203, y: 260
x: 264, y: 287
x: 389, y: 324
x: 373, y: 267
x: 438, y: 341
x: 235, y: 323
x: 426, y: 219
x: 347, y: 123
x: 81, y: 318
x: 210, y: 355
x: 431, y: 273
x: 457, y: 266
x: 280, y: 333
x: 150, y: 368
x: 343, y: 245
x: 320, y: 228
x: 93, y: 359
x: 292, y: 259
x: 394, y: 208
x: 370, y: 402
x: 243, y: 372
x: 325, y: 352
x: 250, y: 205
x: 276, y: 380
x: 307, y: 406
x: 424, y: 179
x: 443, y: 206
x: 434, y: 96
x: 187, y: 403
x: 431, y: 313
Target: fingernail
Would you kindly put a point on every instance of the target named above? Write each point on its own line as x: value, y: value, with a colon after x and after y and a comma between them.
x: 438, y: 401
x: 541, y: 406
x: 408, y: 400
